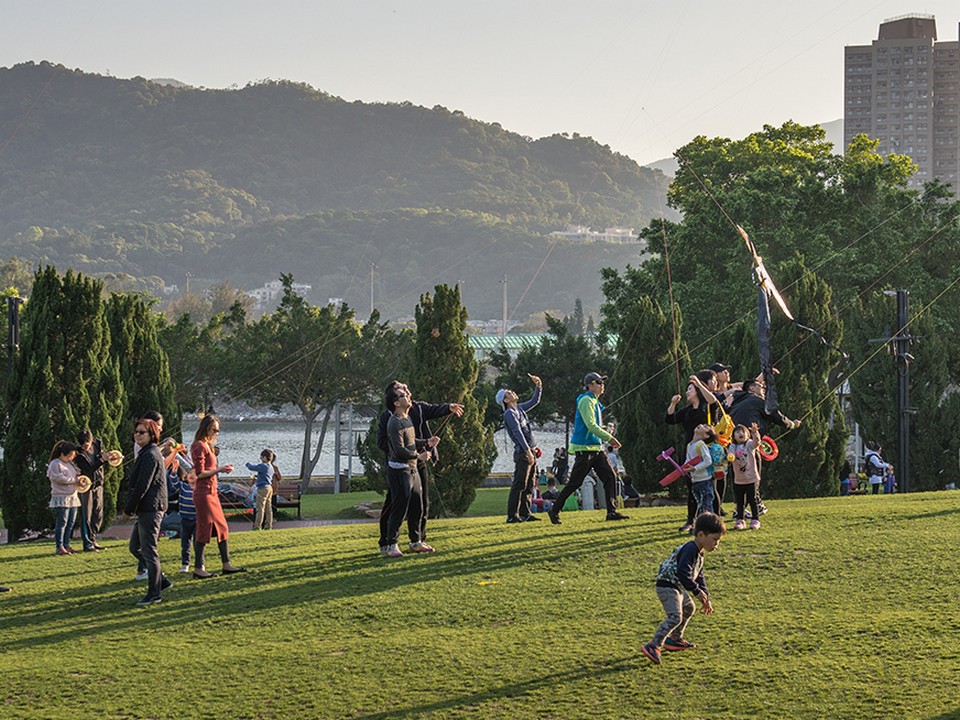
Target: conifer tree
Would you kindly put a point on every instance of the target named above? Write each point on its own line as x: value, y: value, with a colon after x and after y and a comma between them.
x: 64, y: 380
x: 143, y: 363
x: 644, y: 376
x: 811, y: 456
x: 447, y: 371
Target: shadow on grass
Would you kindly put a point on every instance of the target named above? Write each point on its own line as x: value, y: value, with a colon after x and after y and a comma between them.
x: 517, y: 689
x: 287, y: 582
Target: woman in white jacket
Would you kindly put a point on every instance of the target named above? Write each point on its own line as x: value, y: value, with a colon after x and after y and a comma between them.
x: 63, y: 474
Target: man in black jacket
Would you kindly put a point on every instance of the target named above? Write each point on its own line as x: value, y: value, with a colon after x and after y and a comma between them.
x: 749, y: 406
x: 420, y: 414
x: 91, y: 461
x: 147, y: 499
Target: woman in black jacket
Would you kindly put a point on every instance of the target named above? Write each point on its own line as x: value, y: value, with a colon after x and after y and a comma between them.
x: 147, y: 499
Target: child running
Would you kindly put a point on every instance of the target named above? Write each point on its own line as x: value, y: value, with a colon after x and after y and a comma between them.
x: 680, y: 576
x: 746, y: 473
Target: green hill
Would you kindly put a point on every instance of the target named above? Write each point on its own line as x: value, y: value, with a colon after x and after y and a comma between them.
x: 149, y: 179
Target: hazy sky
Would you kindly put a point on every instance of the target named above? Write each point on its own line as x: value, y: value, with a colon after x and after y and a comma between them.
x: 643, y: 77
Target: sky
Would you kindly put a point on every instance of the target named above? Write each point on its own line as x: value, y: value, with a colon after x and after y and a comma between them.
x: 644, y: 77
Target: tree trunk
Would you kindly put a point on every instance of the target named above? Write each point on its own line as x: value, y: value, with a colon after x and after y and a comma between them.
x: 307, y: 461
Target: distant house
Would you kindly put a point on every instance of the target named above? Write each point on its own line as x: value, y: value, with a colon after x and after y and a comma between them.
x: 266, y: 296
x: 582, y: 233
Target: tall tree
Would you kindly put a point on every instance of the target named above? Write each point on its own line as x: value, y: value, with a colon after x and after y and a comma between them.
x: 144, y: 366
x: 65, y: 379
x: 652, y: 362
x: 446, y: 370
x: 313, y: 358
x: 561, y: 359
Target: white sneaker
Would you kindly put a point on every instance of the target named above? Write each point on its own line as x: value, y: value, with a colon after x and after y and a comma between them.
x: 185, y: 568
x: 394, y: 552
x: 141, y: 576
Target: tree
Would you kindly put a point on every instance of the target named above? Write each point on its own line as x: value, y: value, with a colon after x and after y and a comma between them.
x: 144, y: 366
x: 574, y: 322
x: 445, y: 369
x: 850, y: 222
x: 645, y: 376
x: 810, y: 457
x: 933, y: 399
x: 224, y: 297
x: 313, y: 358
x: 561, y: 360
x: 65, y: 380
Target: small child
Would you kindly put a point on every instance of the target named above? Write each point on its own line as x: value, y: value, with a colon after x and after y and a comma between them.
x: 264, y: 490
x: 848, y: 483
x: 746, y: 473
x: 701, y: 474
x: 188, y: 517
x: 681, y: 575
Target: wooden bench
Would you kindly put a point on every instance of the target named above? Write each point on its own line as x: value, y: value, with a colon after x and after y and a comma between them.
x: 287, y: 495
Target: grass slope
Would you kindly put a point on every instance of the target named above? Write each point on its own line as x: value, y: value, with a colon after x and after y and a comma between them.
x: 836, y: 608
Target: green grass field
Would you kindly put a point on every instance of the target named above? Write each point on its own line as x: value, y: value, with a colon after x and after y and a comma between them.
x: 326, y: 506
x: 836, y: 608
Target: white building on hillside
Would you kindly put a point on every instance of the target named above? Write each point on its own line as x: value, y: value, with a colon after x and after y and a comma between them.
x: 582, y: 233
x: 271, y: 292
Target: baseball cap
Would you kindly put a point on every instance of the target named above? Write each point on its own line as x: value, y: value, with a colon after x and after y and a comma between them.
x: 500, y: 393
x: 718, y: 367
x: 593, y: 377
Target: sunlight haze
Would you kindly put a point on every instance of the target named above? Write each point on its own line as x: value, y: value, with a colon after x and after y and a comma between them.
x: 642, y: 77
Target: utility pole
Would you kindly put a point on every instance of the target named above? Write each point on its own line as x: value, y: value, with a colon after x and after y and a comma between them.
x: 900, y: 347
x: 902, y: 356
x: 13, y: 330
x: 503, y: 326
x: 373, y: 266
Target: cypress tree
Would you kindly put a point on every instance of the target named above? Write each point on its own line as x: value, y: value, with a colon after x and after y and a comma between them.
x: 447, y: 371
x: 810, y: 457
x: 144, y: 369
x: 643, y: 378
x: 64, y: 381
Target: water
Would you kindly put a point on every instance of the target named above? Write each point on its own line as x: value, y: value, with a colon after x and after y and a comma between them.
x: 241, y: 442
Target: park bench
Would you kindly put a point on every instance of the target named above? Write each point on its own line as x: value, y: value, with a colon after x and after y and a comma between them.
x: 287, y: 495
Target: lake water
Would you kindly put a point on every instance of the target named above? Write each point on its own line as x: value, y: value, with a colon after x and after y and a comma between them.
x: 241, y: 442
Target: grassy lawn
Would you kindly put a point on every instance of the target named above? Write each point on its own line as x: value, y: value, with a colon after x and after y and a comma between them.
x: 327, y: 506
x: 836, y: 608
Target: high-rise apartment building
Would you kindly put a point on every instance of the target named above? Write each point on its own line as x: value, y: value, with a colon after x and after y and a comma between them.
x: 904, y: 90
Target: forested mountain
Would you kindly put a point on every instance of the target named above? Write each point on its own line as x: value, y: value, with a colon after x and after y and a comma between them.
x: 150, y: 179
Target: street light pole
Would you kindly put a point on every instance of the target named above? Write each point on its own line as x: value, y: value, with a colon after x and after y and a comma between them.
x: 503, y: 326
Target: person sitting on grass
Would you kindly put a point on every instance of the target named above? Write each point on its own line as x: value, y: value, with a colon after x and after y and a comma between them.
x: 679, y: 577
x: 628, y: 491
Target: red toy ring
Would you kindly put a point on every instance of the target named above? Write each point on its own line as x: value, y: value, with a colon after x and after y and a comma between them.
x: 537, y: 452
x: 768, y: 448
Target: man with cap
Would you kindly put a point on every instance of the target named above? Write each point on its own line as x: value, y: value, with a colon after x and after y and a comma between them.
x: 725, y: 389
x: 517, y: 424
x: 587, y: 444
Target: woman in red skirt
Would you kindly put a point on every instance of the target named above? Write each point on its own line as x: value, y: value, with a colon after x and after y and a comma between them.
x: 210, y: 519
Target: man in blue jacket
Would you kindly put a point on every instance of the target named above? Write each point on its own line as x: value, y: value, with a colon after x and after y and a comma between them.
x: 517, y: 424
x: 586, y: 445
